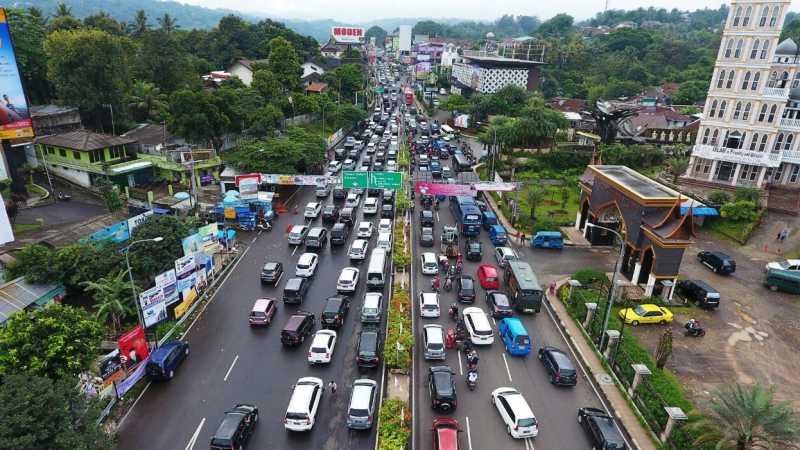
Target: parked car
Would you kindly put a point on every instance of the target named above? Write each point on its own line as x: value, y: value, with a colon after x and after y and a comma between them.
x: 442, y: 388
x: 645, y: 313
x: 236, y: 427
x: 718, y: 262
x: 559, y: 366
x: 787, y: 264
x: 303, y: 404
x: 499, y: 304
x: 335, y: 311
x: 520, y: 421
x: 272, y: 272
x: 369, y: 347
x: 166, y: 359
x: 488, y: 276
x: 263, y: 311
x: 465, y: 287
x: 601, y: 429
x: 445, y: 433
x: 297, y: 328
x: 321, y: 349
x: 699, y: 292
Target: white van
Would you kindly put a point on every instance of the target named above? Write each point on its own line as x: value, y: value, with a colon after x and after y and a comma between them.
x: 303, y: 405
x: 385, y: 241
x: 376, y: 272
x: 515, y: 412
x: 372, y: 307
x: 370, y: 205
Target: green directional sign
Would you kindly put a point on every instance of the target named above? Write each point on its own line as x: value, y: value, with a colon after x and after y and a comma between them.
x: 379, y: 89
x: 375, y: 180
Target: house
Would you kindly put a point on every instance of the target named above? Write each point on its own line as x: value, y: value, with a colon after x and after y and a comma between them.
x: 243, y: 69
x: 19, y: 295
x: 333, y: 49
x: 151, y: 138
x: 316, y: 88
x: 312, y: 72
x: 487, y: 72
x: 626, y: 24
x: 83, y: 156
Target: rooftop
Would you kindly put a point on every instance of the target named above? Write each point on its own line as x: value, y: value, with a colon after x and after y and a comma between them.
x: 316, y: 87
x: 48, y: 110
x: 149, y: 133
x: 635, y: 183
x: 83, y: 140
x: 18, y: 294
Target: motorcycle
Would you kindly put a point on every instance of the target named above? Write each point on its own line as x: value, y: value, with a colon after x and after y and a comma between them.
x: 472, y: 360
x: 63, y: 196
x: 472, y: 379
x: 435, y: 283
x: 448, y: 284
x: 453, y: 312
x: 694, y: 331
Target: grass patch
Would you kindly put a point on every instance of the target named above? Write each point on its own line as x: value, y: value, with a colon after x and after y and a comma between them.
x: 21, y: 228
x: 736, y: 230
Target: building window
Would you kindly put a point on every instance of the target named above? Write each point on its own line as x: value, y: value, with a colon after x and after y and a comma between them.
x: 76, y: 154
x: 773, y: 79
x: 778, y: 142
x: 749, y: 172
x: 764, y: 50
x: 714, y: 137
x: 763, y: 114
x: 756, y: 77
x: 775, y: 13
x: 721, y: 79
x: 772, y: 112
x: 722, y: 107
x: 746, y: 81
x: 746, y: 115
x: 737, y: 111
x: 754, y: 142
x: 763, y: 145
x: 738, y: 53
x: 729, y: 48
x: 794, y: 173
x: 737, y: 17
x: 733, y: 140
x: 62, y: 153
x: 779, y: 172
x: 705, y: 136
x: 789, y: 142
x: 764, y: 14
x: 713, y: 111
x: 754, y: 51
x: 731, y: 74
x: 747, y: 13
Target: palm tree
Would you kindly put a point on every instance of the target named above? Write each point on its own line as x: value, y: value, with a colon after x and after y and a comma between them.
x: 167, y: 23
x: 677, y: 166
x: 146, y: 101
x: 748, y: 418
x: 534, y: 195
x: 139, y: 25
x: 112, y: 295
x: 62, y: 10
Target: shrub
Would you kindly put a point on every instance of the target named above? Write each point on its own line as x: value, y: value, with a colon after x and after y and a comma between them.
x: 394, y: 429
x: 399, y: 331
x: 747, y: 194
x: 719, y: 197
x: 590, y: 277
x: 741, y: 210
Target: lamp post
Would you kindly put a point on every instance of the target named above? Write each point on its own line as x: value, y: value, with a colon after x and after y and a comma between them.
x: 126, y: 250
x: 610, y: 300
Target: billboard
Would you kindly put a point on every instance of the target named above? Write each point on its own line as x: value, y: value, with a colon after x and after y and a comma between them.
x: 423, y: 67
x: 184, y: 266
x: 423, y: 57
x: 15, y: 117
x: 297, y: 180
x: 154, y: 308
x: 405, y: 38
x: 167, y: 282
x: 6, y: 233
x: 117, y: 233
x: 347, y: 35
x: 444, y: 189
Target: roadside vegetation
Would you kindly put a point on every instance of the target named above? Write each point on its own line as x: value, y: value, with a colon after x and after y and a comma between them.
x: 395, y: 425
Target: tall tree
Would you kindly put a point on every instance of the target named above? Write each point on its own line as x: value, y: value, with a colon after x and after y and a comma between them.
x: 35, y: 262
x: 139, y: 26
x: 149, y: 259
x: 163, y: 61
x: 103, y: 21
x: 167, y: 23
x: 345, y: 79
x: 378, y: 33
x: 559, y: 24
x: 57, y: 341
x: 748, y: 418
x: 112, y: 298
x: 62, y: 10
x: 146, y: 102
x: 40, y: 413
x: 195, y: 117
x: 29, y: 30
x: 284, y: 63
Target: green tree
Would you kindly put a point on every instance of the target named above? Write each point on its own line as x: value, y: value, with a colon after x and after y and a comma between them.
x: 40, y: 413
x: 677, y: 166
x: 690, y: 92
x: 139, y: 26
x: 293, y: 152
x: 110, y: 194
x: 534, y: 195
x: 305, y: 104
x: 62, y: 10
x: 56, y: 341
x: 146, y: 102
x: 741, y: 210
x: 149, y: 259
x: 537, y: 123
x: 163, y: 61
x: 749, y: 194
x: 748, y: 418
x: 104, y: 22
x: 112, y: 297
x: 36, y: 263
x: 559, y: 24
x: 195, y: 117
x: 345, y: 115
x: 265, y: 121
x: 378, y: 33
x: 284, y: 63
x: 87, y: 261
x: 167, y: 23
x: 29, y: 32
x: 267, y: 84
x: 455, y: 103
x: 346, y: 80
x: 74, y: 60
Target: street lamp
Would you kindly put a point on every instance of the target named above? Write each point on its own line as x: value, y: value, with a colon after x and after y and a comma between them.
x: 126, y: 250
x: 610, y: 300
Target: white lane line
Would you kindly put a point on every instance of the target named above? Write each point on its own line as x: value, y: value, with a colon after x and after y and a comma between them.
x: 494, y: 322
x: 295, y: 249
x: 193, y: 440
x: 469, y: 435
x: 437, y: 216
x: 505, y: 361
x: 460, y: 368
x: 228, y: 373
x: 529, y: 444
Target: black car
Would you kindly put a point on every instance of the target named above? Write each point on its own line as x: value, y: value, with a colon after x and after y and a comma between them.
x: 339, y: 233
x: 602, y: 430
x: 442, y: 387
x: 369, y: 345
x: 474, y: 250
x: 339, y: 193
x: 272, y: 272
x: 330, y: 214
x: 426, y: 218
x: 426, y: 238
x: 387, y: 211
x: 699, y: 292
x: 499, y: 304
x: 465, y: 286
x: 718, y: 262
x: 377, y: 166
x: 335, y: 311
x: 558, y: 365
x: 299, y: 326
x: 236, y: 428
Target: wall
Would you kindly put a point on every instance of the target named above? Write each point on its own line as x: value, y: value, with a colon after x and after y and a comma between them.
x: 244, y: 74
x: 78, y: 177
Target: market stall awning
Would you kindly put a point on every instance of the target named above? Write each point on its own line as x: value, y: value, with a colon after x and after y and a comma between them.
x: 698, y: 209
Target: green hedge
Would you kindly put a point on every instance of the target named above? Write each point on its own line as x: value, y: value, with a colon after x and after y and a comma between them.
x: 394, y: 429
x: 400, y: 256
x: 400, y: 331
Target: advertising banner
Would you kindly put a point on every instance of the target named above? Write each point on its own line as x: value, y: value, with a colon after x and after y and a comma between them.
x: 135, y: 221
x: 191, y: 243
x: 15, y: 117
x: 6, y: 232
x: 133, y: 346
x: 495, y: 186
x: 154, y: 309
x: 247, y: 177
x: 184, y: 266
x: 422, y: 57
x: 248, y: 188
x: 422, y: 187
x: 183, y: 285
x: 204, y: 261
x: 296, y: 180
x: 207, y: 238
x: 423, y: 67
x: 125, y: 385
x: 347, y: 35
x: 189, y: 298
x: 167, y: 281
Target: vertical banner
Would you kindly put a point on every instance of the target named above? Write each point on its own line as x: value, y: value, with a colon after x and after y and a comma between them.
x: 154, y: 309
x: 133, y: 347
x: 15, y: 117
x: 6, y: 232
x: 167, y: 281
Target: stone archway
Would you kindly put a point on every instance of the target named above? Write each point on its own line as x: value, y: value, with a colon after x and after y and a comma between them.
x: 609, y: 216
x: 648, y: 258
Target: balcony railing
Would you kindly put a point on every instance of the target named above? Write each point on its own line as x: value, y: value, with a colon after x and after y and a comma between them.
x: 790, y: 124
x: 736, y: 155
x: 791, y: 156
x: 776, y: 92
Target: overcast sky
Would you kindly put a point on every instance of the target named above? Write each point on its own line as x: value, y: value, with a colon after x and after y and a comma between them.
x: 364, y: 10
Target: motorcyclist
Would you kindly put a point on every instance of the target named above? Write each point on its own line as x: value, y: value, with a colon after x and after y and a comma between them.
x: 436, y: 283
x: 692, y: 325
x: 472, y: 376
x: 472, y: 358
x: 454, y: 310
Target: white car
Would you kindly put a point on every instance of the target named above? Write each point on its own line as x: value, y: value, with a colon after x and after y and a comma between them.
x: 788, y: 264
x: 429, y: 304
x: 385, y: 226
x: 306, y: 265
x: 297, y: 234
x: 334, y: 166
x: 478, y: 327
x: 321, y: 350
x: 358, y: 249
x: 370, y: 205
x: 348, y: 280
x: 504, y: 255
x: 303, y: 405
x: 430, y: 266
x: 385, y: 241
x: 391, y: 166
x: 365, y: 230
x: 313, y: 210
x: 515, y: 412
x: 352, y: 200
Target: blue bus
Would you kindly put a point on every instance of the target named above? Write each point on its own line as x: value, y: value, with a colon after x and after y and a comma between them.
x: 467, y: 214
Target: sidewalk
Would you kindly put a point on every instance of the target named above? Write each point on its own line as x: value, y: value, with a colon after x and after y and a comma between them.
x: 640, y: 436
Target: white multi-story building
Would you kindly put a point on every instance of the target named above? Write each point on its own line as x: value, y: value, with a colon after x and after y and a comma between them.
x: 750, y: 131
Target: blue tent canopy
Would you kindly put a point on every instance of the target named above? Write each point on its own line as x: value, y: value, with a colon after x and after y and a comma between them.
x: 699, y: 211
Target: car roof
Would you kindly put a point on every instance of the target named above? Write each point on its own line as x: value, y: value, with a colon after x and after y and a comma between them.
x: 302, y: 390
x: 271, y: 265
x: 489, y: 269
x: 261, y: 304
x: 515, y: 325
x: 429, y: 256
x: 350, y: 271
x: 435, y: 333
x: 518, y: 404
x: 298, y: 228
x: 161, y: 352
x: 561, y: 358
x: 306, y: 257
x: 362, y: 390
x: 429, y: 297
x: 294, y: 321
x: 365, y: 224
x: 322, y: 337
x: 229, y: 425
x: 650, y: 307
x: 477, y: 312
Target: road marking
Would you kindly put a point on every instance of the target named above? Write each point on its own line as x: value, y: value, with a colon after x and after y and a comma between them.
x: 280, y: 277
x: 228, y: 373
x: 254, y: 238
x: 196, y: 434
x: 295, y: 249
x: 469, y: 435
x: 460, y: 368
x: 529, y: 444
x: 437, y: 216
x: 505, y: 361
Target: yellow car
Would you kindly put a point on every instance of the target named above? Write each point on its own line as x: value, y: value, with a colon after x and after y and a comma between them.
x: 647, y: 313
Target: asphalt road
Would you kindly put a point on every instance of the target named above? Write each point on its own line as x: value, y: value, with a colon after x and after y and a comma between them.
x: 555, y: 407
x: 231, y: 363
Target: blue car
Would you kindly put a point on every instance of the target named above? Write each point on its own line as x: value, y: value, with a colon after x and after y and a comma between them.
x: 164, y: 361
x: 515, y: 337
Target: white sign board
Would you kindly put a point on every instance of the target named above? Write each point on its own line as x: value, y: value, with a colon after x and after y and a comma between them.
x: 347, y: 35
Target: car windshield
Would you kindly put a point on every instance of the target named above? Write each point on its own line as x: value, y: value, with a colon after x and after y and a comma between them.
x: 435, y: 346
x: 784, y: 264
x: 527, y: 422
x: 296, y: 416
x: 639, y: 310
x: 466, y: 284
x: 359, y: 412
x: 443, y: 383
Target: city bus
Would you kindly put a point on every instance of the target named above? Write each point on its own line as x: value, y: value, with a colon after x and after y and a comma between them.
x: 467, y: 214
x: 409, y: 95
x: 523, y: 287
x: 461, y: 163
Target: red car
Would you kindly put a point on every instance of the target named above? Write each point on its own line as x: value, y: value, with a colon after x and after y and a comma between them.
x: 445, y: 433
x: 487, y: 275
